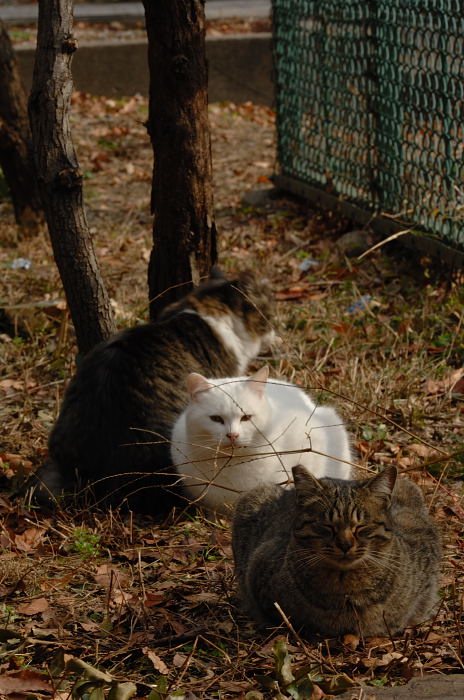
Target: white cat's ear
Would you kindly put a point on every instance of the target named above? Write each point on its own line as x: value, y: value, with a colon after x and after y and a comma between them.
x: 258, y: 380
x: 305, y: 484
x: 382, y: 485
x: 196, y: 383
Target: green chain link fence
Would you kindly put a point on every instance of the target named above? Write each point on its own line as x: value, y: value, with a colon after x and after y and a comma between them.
x: 370, y: 105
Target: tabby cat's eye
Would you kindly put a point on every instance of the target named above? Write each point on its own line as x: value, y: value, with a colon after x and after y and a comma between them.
x: 245, y: 417
x: 217, y: 419
x: 322, y: 529
x: 366, y: 531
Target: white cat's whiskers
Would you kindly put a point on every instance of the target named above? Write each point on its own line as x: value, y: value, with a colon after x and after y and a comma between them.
x: 239, y: 432
x: 267, y: 442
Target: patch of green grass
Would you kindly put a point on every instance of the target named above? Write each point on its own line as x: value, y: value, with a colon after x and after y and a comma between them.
x: 7, y: 613
x: 378, y: 433
x: 85, y: 542
x: 106, y: 143
x: 211, y: 554
x: 20, y: 35
x: 378, y: 682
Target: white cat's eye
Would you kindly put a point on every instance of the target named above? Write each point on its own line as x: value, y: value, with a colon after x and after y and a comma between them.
x: 246, y: 416
x: 217, y: 419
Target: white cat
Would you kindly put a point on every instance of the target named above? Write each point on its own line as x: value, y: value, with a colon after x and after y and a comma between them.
x: 230, y: 436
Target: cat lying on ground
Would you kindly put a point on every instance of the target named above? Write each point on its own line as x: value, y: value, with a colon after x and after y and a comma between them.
x: 232, y: 434
x: 339, y: 557
x: 116, y: 419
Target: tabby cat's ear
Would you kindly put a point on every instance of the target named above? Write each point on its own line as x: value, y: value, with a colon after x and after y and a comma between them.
x: 196, y: 383
x: 305, y: 484
x: 382, y: 485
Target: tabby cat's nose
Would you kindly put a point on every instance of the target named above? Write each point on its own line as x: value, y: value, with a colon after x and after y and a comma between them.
x: 344, y: 545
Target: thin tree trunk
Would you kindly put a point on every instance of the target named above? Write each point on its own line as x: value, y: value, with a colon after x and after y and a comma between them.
x: 60, y: 178
x: 15, y: 143
x: 184, y: 234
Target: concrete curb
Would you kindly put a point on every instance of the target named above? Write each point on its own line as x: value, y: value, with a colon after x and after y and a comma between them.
x: 240, y: 68
x: 131, y: 11
x: 433, y: 687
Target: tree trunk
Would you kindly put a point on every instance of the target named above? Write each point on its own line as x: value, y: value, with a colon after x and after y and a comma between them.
x: 184, y: 234
x: 15, y: 143
x: 60, y: 178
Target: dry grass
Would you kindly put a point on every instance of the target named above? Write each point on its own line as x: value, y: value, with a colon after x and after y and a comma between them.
x: 155, y: 604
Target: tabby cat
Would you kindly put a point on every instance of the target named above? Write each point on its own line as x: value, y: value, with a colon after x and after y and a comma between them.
x: 114, y: 426
x: 339, y: 557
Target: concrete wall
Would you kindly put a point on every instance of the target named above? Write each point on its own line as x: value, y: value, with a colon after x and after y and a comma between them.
x: 240, y: 68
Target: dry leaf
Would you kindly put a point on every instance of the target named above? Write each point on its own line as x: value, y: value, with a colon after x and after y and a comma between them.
x: 152, y: 599
x: 298, y: 291
x: 289, y: 295
x: 369, y: 662
x: 119, y: 597
x: 434, y: 637
x: 235, y: 686
x: 22, y: 682
x: 203, y: 597
x: 422, y: 451
x: 90, y: 626
x: 179, y: 660
x: 378, y: 642
x: 35, y: 606
x: 54, y: 583
x: 158, y: 663
x: 107, y: 574
x: 7, y: 384
x: 317, y: 693
x: 405, y: 462
x: 351, y: 641
x: 393, y: 656
x: 448, y: 383
x: 13, y: 460
x: 130, y: 106
x: 29, y: 539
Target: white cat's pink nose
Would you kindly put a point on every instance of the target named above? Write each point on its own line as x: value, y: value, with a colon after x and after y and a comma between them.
x: 232, y: 436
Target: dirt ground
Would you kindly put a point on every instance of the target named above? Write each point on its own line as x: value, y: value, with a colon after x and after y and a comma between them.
x: 381, y: 337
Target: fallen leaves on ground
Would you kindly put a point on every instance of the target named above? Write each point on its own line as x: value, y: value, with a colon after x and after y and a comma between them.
x: 156, y: 603
x: 24, y: 682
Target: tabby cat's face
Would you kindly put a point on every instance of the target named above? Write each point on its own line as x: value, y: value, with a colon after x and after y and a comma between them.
x: 246, y: 297
x: 342, y: 524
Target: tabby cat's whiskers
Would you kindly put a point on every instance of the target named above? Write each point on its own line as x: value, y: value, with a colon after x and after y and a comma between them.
x: 336, y: 556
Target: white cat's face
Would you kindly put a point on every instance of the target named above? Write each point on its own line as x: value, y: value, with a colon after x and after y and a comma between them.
x: 228, y: 414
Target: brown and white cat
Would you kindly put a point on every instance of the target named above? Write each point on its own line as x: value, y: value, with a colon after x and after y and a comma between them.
x: 115, y: 422
x: 358, y: 557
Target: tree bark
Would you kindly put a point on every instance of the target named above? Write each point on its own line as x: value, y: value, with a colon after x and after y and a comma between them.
x: 15, y: 143
x: 60, y: 178
x: 184, y: 233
